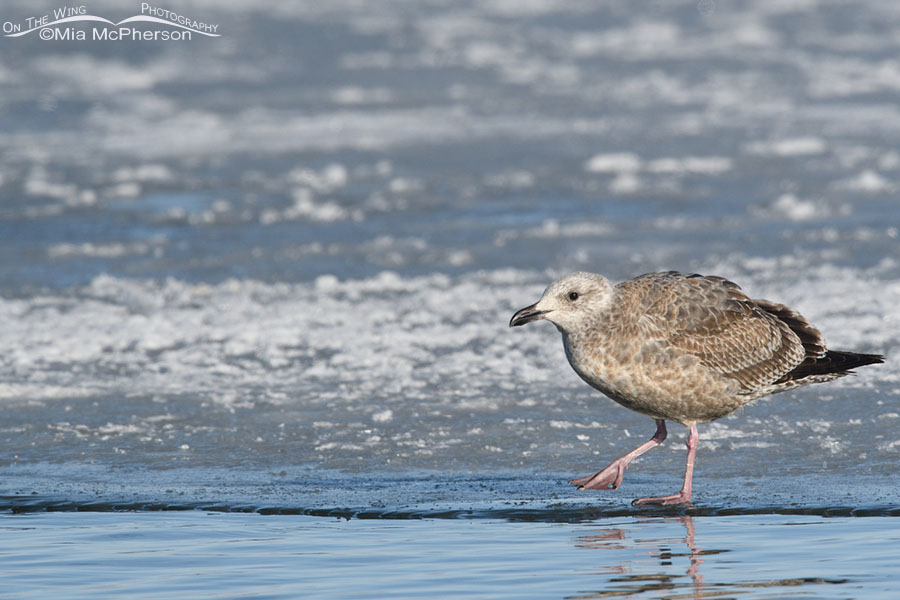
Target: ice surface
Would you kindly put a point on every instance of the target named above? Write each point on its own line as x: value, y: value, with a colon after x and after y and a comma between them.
x: 393, y: 372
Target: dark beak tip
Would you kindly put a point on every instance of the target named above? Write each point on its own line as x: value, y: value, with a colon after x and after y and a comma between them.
x: 525, y: 316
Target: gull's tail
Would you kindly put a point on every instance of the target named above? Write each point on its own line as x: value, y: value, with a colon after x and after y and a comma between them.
x: 834, y: 362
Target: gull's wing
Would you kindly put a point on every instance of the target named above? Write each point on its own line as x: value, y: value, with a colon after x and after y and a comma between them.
x: 755, y: 343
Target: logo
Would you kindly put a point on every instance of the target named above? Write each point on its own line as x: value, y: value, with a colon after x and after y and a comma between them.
x: 152, y: 24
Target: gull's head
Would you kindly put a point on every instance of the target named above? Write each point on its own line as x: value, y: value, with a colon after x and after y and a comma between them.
x: 572, y: 303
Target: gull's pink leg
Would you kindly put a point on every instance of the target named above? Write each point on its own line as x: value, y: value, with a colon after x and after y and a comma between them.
x: 611, y: 476
x: 685, y: 494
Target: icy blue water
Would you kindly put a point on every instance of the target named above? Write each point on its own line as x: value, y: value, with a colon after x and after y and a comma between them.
x: 165, y: 555
x: 272, y: 271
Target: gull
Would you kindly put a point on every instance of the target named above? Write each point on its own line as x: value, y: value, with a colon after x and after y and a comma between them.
x: 681, y: 347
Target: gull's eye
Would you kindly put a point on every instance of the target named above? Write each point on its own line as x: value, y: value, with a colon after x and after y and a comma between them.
x: 573, y: 296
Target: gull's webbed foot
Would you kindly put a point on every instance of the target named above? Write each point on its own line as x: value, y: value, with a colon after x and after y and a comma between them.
x: 609, y: 478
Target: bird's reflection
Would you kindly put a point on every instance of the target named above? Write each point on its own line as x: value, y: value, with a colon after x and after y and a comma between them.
x: 626, y: 582
x: 668, y: 566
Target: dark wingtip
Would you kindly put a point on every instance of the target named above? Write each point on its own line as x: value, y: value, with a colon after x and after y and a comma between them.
x: 851, y: 360
x: 834, y: 361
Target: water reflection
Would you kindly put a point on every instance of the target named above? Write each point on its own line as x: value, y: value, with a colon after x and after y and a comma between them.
x: 637, y: 574
x: 666, y: 567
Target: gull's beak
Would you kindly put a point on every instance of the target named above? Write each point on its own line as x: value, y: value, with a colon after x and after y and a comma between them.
x: 527, y: 315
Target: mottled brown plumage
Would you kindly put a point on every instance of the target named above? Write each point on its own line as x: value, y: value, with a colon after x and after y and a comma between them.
x: 687, y: 348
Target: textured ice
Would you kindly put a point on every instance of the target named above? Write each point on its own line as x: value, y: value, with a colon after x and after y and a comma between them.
x: 553, y: 229
x: 418, y: 370
x: 622, y: 162
x: 691, y: 164
x: 795, y: 209
x: 868, y: 181
x: 97, y: 250
x: 790, y: 147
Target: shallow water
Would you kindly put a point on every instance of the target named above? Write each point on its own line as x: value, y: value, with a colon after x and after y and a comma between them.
x: 208, y: 555
x: 272, y: 272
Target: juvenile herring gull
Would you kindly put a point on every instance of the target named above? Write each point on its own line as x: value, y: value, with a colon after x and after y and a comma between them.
x: 685, y: 348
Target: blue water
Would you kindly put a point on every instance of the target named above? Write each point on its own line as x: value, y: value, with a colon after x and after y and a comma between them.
x: 272, y: 272
x: 165, y: 555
